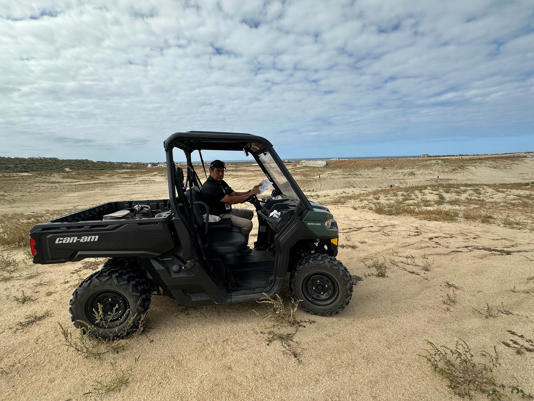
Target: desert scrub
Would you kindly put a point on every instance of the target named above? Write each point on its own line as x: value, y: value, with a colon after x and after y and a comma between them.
x: 8, y: 265
x: 88, y: 346
x: 23, y: 298
x: 490, y: 311
x: 280, y: 312
x: 449, y: 298
x: 470, y: 202
x: 52, y: 164
x: 30, y: 320
x: 284, y: 324
x: 467, y: 374
x: 14, y: 231
x: 380, y: 268
x: 111, y: 383
x: 395, y: 209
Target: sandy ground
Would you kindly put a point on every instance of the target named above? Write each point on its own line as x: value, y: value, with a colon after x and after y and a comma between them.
x: 371, y: 351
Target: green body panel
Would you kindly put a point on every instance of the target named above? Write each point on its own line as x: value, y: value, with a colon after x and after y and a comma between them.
x: 315, y: 220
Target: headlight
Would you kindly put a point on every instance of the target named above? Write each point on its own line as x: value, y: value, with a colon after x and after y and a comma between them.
x: 330, y: 224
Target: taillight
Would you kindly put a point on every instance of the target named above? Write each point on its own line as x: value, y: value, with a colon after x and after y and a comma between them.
x: 32, y: 245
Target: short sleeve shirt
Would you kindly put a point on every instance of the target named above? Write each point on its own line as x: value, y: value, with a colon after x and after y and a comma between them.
x: 212, y: 192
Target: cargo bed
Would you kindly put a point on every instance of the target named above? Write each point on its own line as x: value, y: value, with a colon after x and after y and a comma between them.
x: 121, y: 229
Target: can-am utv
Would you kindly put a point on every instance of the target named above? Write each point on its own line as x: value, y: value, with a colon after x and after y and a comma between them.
x: 170, y: 247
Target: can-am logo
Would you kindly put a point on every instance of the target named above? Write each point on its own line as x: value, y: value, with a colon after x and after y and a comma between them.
x: 74, y: 240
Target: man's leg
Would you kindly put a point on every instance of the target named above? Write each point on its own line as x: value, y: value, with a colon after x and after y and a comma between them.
x: 245, y: 213
x: 242, y: 220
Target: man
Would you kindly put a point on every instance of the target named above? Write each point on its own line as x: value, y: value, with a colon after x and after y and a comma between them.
x: 219, y: 197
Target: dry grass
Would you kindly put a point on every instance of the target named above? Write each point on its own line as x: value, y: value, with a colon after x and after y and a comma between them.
x: 490, y: 311
x: 508, y: 205
x: 284, y: 324
x: 8, y: 266
x: 31, y: 319
x: 112, y: 383
x: 280, y: 312
x: 23, y: 298
x: 380, y: 268
x: 87, y: 345
x: 448, y: 284
x: 467, y: 375
x: 395, y: 209
x: 450, y: 163
x: 15, y: 231
x: 449, y: 298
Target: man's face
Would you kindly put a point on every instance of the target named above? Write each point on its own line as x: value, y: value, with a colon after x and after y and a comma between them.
x: 217, y: 173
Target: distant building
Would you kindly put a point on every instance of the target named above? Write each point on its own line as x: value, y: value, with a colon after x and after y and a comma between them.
x: 313, y: 163
x: 424, y: 155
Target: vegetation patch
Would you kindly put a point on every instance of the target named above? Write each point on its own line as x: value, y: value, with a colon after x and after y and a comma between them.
x: 449, y: 298
x: 490, y: 311
x: 31, y: 319
x: 467, y: 375
x: 23, y: 298
x: 32, y: 164
x: 508, y: 205
x: 284, y: 324
x: 88, y: 346
x: 112, y: 383
x: 14, y: 231
x: 519, y: 343
x: 8, y: 265
x: 380, y: 268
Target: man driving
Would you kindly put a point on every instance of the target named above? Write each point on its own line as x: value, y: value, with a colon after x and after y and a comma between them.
x: 220, y: 197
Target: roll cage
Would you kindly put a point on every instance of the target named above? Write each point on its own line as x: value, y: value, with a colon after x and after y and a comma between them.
x: 192, y: 141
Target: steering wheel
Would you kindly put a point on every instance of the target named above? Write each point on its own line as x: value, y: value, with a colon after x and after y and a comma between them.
x: 255, y: 201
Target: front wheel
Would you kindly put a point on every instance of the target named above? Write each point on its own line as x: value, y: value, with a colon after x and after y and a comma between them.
x: 322, y: 284
x: 111, y: 302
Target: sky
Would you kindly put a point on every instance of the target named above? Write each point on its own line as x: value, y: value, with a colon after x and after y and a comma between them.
x: 111, y: 80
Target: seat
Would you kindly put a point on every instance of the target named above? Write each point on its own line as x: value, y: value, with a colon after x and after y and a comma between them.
x: 222, y: 237
x: 225, y: 242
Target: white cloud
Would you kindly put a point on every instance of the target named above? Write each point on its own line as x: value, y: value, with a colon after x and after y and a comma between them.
x: 112, y: 74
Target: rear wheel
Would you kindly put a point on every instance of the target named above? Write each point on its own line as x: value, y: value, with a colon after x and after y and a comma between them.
x: 322, y: 284
x: 111, y: 302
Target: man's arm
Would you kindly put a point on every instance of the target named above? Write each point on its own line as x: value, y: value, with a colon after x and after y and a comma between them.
x: 238, y: 197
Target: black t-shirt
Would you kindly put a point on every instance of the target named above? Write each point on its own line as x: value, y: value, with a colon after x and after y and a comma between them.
x: 212, y: 192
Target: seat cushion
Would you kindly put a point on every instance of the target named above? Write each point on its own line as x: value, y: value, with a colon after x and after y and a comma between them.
x: 225, y: 242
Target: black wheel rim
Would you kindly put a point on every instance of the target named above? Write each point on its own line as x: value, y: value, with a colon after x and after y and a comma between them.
x: 320, y: 289
x: 107, y: 309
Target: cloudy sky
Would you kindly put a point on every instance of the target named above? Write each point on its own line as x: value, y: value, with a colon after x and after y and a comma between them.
x: 110, y: 80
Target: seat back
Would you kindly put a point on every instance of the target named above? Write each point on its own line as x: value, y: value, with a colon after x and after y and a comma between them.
x: 179, y: 177
x: 194, y: 198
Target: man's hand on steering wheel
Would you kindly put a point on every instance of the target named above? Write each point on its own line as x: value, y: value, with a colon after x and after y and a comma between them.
x: 255, y: 201
x: 253, y: 198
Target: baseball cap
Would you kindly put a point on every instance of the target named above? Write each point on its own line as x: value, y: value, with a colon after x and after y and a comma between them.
x: 217, y: 164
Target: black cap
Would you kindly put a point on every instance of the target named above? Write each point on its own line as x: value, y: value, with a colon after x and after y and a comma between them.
x: 217, y: 164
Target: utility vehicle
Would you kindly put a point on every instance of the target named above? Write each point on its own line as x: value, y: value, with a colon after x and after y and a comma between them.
x: 169, y: 247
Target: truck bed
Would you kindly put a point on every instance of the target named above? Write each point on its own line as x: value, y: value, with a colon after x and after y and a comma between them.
x: 121, y: 229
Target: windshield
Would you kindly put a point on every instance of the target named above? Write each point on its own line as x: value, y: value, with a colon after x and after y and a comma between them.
x: 276, y: 175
